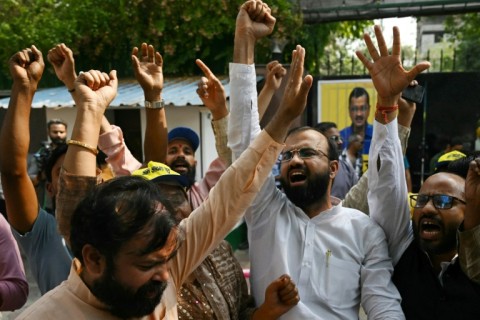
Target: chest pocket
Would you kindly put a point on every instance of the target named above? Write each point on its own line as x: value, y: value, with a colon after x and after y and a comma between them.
x: 337, y: 282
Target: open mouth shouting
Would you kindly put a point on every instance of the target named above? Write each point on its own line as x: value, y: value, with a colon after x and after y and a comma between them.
x: 297, y: 177
x: 429, y: 228
x: 180, y: 166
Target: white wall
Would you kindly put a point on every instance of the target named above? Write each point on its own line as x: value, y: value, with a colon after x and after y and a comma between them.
x: 196, y: 118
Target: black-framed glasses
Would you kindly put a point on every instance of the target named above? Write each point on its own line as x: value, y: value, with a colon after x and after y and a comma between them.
x: 440, y: 201
x: 303, y: 153
x: 335, y: 138
x: 358, y: 108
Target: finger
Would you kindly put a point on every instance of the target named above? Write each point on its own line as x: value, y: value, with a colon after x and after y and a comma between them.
x: 293, y: 301
x: 279, y: 71
x: 150, y: 53
x: 413, y: 83
x: 269, y: 20
x: 272, y: 64
x: 67, y: 52
x: 262, y: 12
x: 25, y: 56
x: 135, y: 63
x: 104, y: 78
x: 158, y: 59
x: 86, y: 78
x: 306, y: 85
x: 113, y: 79
x: 255, y: 10
x: 298, y: 63
x: 20, y: 59
x: 134, y: 51
x: 95, y: 79
x: 202, y: 93
x: 203, y: 83
x: 382, y: 46
x: 206, y: 70
x: 420, y: 67
x: 54, y: 57
x: 371, y: 47
x: 396, y: 47
x: 289, y: 294
x: 364, y: 60
x: 37, y: 54
x: 143, y: 52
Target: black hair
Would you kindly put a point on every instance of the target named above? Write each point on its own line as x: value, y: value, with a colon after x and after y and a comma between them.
x: 56, y: 121
x: 324, y: 126
x: 53, y: 157
x: 116, y: 211
x: 332, y: 146
x: 460, y: 166
x: 358, y: 92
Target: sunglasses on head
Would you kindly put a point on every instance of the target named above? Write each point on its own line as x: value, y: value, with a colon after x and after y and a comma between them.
x: 440, y: 201
x: 303, y: 153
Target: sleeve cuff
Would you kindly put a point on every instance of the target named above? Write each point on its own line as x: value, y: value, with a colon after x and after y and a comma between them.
x: 110, y: 138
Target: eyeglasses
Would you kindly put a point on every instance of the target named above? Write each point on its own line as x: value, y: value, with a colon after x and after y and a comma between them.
x: 303, y: 153
x: 335, y: 138
x: 358, y: 108
x: 440, y: 201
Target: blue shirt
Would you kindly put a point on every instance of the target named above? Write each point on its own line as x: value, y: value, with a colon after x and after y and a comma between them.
x: 46, y: 252
x: 347, y: 131
x: 367, y: 139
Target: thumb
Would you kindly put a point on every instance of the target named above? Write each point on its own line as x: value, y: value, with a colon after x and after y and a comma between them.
x: 306, y: 85
x: 277, y: 284
x: 135, y: 63
x: 113, y: 79
x: 422, y: 66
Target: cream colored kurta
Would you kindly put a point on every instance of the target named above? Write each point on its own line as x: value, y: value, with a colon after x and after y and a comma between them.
x: 204, y: 229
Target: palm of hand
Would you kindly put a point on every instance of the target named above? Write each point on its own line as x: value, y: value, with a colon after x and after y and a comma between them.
x: 388, y: 76
x: 63, y: 69
x: 216, y: 97
x: 151, y: 75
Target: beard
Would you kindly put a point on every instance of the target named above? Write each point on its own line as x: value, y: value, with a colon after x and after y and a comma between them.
x: 446, y: 243
x: 312, y: 191
x: 190, y: 173
x: 124, y: 302
x: 58, y: 141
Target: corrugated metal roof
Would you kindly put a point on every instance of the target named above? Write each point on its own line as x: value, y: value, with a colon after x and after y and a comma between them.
x: 176, y: 92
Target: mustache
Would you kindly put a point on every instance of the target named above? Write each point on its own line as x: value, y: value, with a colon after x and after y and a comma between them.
x: 182, y: 162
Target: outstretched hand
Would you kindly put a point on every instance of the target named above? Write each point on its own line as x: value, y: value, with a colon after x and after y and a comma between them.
x: 255, y: 20
x: 148, y: 71
x: 95, y: 89
x: 26, y: 67
x: 211, y: 91
x: 294, y: 98
x: 61, y: 57
x: 296, y: 91
x: 388, y: 75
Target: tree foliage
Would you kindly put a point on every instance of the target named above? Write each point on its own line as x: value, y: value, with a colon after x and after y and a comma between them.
x: 103, y: 33
x: 465, y: 30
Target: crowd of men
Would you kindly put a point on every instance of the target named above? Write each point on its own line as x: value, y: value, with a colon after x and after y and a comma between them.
x: 148, y: 243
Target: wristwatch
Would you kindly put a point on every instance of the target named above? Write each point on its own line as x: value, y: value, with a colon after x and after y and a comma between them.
x: 155, y: 104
